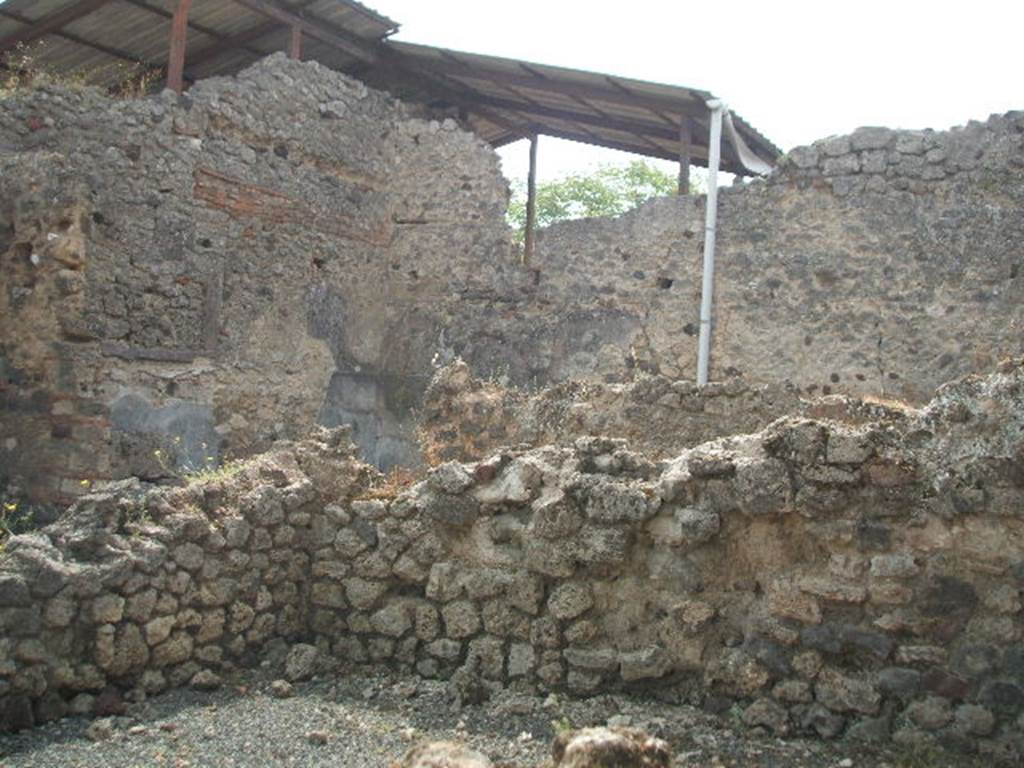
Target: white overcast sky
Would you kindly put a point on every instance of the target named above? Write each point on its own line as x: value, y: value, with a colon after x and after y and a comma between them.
x: 796, y: 70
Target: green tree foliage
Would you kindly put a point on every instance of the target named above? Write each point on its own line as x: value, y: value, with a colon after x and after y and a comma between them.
x: 610, y: 190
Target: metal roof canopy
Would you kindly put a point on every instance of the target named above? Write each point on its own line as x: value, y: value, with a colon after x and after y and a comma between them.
x: 515, y: 99
x: 501, y: 99
x: 108, y: 40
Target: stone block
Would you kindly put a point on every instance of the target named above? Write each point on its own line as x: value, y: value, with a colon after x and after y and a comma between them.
x: 644, y: 664
x: 570, y: 599
x: 461, y: 619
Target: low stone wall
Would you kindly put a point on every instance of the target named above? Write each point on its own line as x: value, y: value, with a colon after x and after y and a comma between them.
x: 465, y: 418
x: 829, y: 577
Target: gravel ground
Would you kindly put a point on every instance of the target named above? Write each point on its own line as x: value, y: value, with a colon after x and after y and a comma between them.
x: 366, y: 721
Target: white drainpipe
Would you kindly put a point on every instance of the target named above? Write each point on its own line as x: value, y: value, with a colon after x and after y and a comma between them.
x: 710, y: 222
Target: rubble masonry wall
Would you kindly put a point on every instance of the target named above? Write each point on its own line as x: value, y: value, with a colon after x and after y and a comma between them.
x: 827, y: 576
x: 203, y: 275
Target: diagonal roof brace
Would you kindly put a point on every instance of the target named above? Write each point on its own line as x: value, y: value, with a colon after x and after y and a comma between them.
x: 349, y: 44
x: 51, y: 23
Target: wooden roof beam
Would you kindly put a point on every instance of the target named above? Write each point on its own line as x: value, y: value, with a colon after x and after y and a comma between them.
x: 240, y: 40
x: 636, y: 149
x: 458, y: 94
x: 51, y: 23
x: 648, y: 149
x: 317, y: 30
x: 202, y: 28
x: 624, y: 126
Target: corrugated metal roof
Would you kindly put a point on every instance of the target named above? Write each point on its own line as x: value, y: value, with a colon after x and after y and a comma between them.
x: 105, y: 44
x: 108, y: 41
x: 518, y: 97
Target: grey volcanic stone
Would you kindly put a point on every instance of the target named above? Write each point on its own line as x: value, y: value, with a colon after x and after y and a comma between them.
x: 569, y: 600
x: 301, y: 662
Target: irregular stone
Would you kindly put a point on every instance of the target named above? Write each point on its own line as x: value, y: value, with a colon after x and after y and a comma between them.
x: 189, y: 556
x: 521, y: 659
x: 448, y: 650
x: 443, y: 583
x: 820, y: 720
x: 328, y: 595
x: 569, y: 600
x: 610, y: 502
x: 737, y: 672
x: 301, y: 663
x: 793, y: 692
x: 450, y: 478
x: 487, y: 656
x: 206, y: 680
x: 1001, y: 696
x: 845, y: 694
x: 100, y: 730
x: 974, y: 720
x: 644, y: 664
x: 594, y: 659
x: 609, y: 747
x: 461, y: 619
x: 901, y: 682
x: 14, y: 592
x: 443, y: 754
x: 870, y: 730
x: 364, y: 594
x: 555, y: 516
x: 392, y: 620
x: 931, y: 713
x: 427, y: 621
x: 107, y: 609
x: 282, y: 689
x: 175, y: 650
x: 59, y: 612
x: 769, y: 714
x: 872, y: 138
x: 49, y: 707
x: 482, y: 583
x: 502, y: 621
x: 516, y: 484
x: 544, y: 633
x: 974, y: 661
x: 696, y: 525
x: 159, y: 629
x: 893, y: 566
x: 833, y: 589
x: 447, y: 509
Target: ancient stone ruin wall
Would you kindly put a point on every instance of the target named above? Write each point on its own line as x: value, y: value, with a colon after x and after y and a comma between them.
x: 464, y: 418
x: 883, y: 263
x: 828, y: 577
x: 201, y: 276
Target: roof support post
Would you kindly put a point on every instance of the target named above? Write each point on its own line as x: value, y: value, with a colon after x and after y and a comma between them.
x: 531, y: 202
x: 684, y: 155
x: 179, y: 39
x: 295, y: 49
x: 710, y: 225
x: 350, y: 44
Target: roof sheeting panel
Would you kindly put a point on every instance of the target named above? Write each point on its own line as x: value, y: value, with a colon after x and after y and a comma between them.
x: 594, y: 106
x: 122, y: 30
x: 107, y: 41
